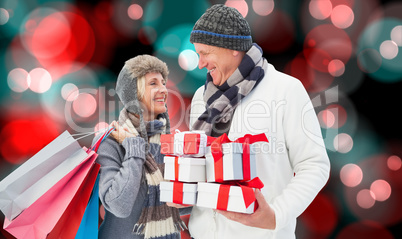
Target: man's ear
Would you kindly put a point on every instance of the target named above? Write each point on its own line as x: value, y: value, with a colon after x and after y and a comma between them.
x: 238, y: 53
x: 235, y: 53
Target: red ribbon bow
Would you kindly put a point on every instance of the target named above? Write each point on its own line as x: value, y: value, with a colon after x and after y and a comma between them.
x: 217, y: 154
x: 192, y: 143
x: 247, y: 190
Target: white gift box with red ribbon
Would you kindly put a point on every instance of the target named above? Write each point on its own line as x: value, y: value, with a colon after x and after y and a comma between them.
x: 228, y: 197
x: 178, y: 192
x: 187, y: 143
x: 232, y: 166
x: 228, y: 160
x: 184, y: 169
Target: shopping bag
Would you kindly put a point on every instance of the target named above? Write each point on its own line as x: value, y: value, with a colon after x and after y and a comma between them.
x: 90, y: 222
x: 38, y: 220
x: 31, y: 180
x: 70, y: 221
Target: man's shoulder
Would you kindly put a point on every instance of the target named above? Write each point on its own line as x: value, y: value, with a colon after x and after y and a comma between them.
x: 277, y: 83
x: 199, y: 92
x: 278, y: 77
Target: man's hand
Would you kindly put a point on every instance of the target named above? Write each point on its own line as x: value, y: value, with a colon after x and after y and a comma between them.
x: 263, y: 217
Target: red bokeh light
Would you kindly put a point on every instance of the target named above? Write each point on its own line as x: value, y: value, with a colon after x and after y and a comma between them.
x: 317, y: 58
x: 339, y: 113
x: 320, y: 49
x: 135, y: 11
x: 366, y: 230
x: 51, y: 36
x: 365, y: 199
x: 22, y: 138
x: 342, y: 16
x: 321, y: 217
x: 381, y: 189
x: 272, y: 37
x: 312, y: 80
x: 263, y: 7
x: 351, y: 175
x: 349, y: 3
x: 103, y: 11
x: 85, y: 105
x: 240, y: 5
x: 59, y: 41
x: 387, y: 212
x: 320, y: 9
x: 394, y: 163
x: 326, y: 118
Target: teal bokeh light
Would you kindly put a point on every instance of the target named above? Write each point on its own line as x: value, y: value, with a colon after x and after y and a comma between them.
x: 173, y: 37
x: 168, y: 48
x: 378, y: 67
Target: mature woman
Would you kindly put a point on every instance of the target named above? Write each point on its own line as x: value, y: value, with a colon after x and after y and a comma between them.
x: 131, y: 160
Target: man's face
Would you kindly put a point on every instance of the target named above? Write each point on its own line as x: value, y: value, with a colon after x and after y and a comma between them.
x: 220, y: 62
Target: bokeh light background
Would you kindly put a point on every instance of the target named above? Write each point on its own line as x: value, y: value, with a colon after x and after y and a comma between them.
x: 59, y: 61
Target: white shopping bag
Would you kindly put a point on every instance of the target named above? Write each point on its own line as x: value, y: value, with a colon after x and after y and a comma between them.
x: 37, y: 175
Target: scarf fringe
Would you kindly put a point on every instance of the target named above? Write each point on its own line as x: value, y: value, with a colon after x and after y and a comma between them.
x: 139, y: 228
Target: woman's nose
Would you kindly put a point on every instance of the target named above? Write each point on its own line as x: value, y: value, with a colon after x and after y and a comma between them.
x: 163, y: 89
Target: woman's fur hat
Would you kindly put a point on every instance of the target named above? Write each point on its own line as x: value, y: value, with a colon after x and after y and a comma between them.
x: 126, y: 85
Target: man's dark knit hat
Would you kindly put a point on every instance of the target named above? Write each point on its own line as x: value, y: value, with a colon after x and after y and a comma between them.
x: 222, y: 26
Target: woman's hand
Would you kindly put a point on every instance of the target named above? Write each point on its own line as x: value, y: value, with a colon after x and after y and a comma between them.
x: 170, y: 204
x: 120, y: 133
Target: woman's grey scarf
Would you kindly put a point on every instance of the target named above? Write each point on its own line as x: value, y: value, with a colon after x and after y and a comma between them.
x: 221, y: 101
x: 156, y: 219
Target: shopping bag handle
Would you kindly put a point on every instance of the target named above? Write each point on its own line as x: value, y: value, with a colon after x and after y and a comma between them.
x: 101, y: 139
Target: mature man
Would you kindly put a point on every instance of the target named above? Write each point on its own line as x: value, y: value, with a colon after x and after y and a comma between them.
x: 244, y: 94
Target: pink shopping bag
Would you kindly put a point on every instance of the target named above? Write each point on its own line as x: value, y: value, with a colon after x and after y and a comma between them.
x: 38, y: 220
x: 70, y: 221
x: 21, y: 188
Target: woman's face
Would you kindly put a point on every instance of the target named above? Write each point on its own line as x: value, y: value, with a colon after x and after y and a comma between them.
x: 155, y: 96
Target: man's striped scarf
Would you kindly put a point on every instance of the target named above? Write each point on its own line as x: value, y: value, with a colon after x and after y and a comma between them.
x: 157, y: 220
x: 221, y: 101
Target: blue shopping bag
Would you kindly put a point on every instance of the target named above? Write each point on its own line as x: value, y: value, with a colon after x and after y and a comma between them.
x: 89, y: 224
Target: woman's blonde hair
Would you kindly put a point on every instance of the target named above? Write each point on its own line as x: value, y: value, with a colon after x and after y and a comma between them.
x: 140, y: 87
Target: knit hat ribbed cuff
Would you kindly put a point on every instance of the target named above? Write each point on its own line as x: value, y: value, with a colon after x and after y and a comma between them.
x: 238, y: 43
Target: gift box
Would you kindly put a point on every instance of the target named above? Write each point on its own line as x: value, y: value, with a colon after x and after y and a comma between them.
x: 178, y: 192
x: 184, y: 169
x: 227, y: 160
x: 192, y: 143
x: 227, y: 197
x: 232, y: 165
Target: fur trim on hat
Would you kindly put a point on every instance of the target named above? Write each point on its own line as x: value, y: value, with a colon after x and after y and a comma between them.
x: 141, y: 65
